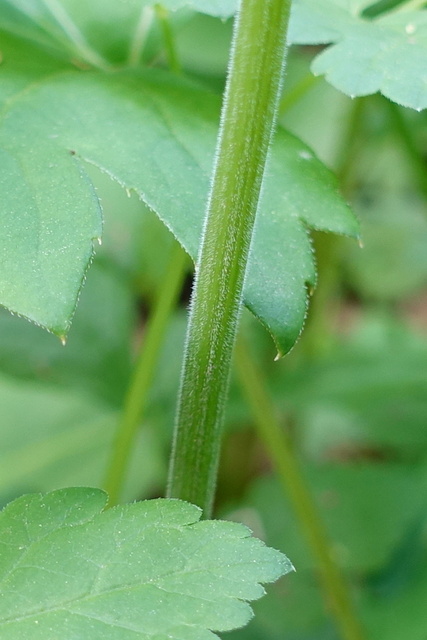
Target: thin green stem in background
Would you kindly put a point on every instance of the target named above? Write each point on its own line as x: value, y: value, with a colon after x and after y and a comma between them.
x: 409, y: 5
x: 136, y: 397
x: 297, y: 92
x: 76, y: 37
x: 155, y: 328
x: 319, y: 332
x: 140, y: 36
x: 350, y: 142
x: 162, y: 15
x: 247, y: 122
x: 295, y: 487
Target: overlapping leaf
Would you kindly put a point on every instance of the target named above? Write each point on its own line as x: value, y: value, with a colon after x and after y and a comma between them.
x: 100, y: 32
x: 97, y: 358
x: 144, y: 570
x: 383, y: 54
x: 154, y: 134
x: 386, y: 54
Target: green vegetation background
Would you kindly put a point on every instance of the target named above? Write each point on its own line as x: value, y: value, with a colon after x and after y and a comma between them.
x: 352, y: 395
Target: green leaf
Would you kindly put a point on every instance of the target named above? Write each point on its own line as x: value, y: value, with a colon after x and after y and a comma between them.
x: 386, y: 54
x: 53, y: 438
x: 97, y: 359
x: 321, y: 21
x: 380, y: 612
x: 217, y: 8
x: 45, y: 235
x: 45, y: 250
x: 303, y: 618
x: 22, y: 64
x: 100, y: 32
x: 393, y: 263
x: 143, y: 570
x: 154, y: 134
x: 383, y: 54
x: 392, y: 210
x: 366, y: 396
x: 367, y: 509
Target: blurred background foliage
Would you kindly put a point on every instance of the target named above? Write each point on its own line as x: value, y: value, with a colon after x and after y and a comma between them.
x: 352, y: 396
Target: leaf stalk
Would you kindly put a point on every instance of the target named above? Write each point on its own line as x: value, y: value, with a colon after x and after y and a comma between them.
x: 292, y: 479
x: 136, y: 398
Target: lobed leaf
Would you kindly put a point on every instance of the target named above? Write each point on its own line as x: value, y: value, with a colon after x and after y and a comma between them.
x: 367, y: 55
x: 143, y: 570
x: 154, y: 134
x: 97, y: 359
x: 386, y: 54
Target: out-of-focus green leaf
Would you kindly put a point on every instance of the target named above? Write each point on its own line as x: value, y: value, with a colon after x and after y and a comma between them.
x: 322, y: 22
x: 161, y: 146
x: 368, y: 55
x: 203, y: 44
x: 22, y: 64
x: 401, y: 615
x: 97, y: 355
x: 386, y: 54
x: 393, y: 263
x: 53, y: 438
x: 218, y: 8
x: 144, y: 570
x: 303, y: 618
x: 100, y: 32
x: 366, y: 508
x: 366, y: 395
x: 135, y: 243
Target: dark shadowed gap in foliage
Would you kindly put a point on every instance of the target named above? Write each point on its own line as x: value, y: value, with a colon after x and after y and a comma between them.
x: 143, y: 310
x: 404, y: 565
x: 184, y: 299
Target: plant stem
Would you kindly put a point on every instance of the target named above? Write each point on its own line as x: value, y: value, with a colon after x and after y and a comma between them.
x: 297, y: 92
x: 136, y: 397
x: 168, y: 38
x: 294, y: 484
x: 409, y: 5
x: 349, y: 146
x: 319, y: 331
x: 75, y: 36
x: 140, y: 36
x: 247, y: 122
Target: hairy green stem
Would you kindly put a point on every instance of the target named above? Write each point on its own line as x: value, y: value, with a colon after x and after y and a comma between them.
x: 296, y: 488
x: 247, y: 121
x: 136, y: 397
